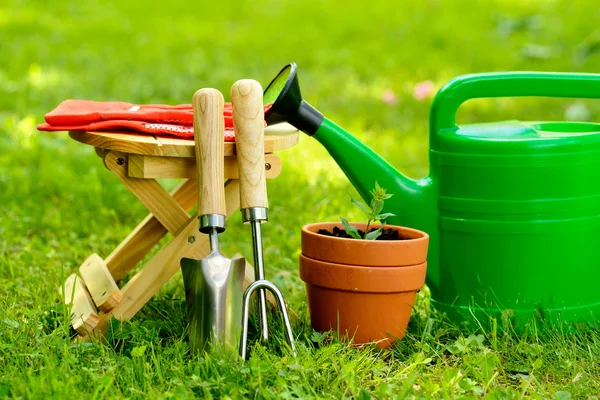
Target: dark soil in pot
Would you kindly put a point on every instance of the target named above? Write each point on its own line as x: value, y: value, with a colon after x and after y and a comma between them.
x: 387, y: 234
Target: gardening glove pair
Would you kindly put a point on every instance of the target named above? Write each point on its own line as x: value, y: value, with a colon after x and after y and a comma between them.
x: 156, y: 119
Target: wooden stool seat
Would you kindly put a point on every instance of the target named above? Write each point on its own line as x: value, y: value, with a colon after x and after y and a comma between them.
x: 277, y: 137
x: 138, y: 160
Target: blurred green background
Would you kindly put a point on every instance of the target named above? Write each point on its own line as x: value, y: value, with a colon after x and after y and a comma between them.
x: 371, y: 67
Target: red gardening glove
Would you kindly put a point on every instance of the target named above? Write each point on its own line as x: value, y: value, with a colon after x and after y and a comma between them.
x: 154, y: 128
x: 77, y: 112
x: 155, y: 119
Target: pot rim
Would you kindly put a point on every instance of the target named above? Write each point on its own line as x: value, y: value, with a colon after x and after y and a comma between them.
x: 362, y: 279
x: 420, y: 235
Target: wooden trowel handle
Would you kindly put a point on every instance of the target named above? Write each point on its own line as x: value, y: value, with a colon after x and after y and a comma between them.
x: 248, y: 121
x: 209, y: 136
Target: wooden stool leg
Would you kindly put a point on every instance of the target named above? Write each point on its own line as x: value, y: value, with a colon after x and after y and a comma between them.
x: 148, y: 233
x: 84, y: 316
x: 140, y: 289
x: 150, y: 193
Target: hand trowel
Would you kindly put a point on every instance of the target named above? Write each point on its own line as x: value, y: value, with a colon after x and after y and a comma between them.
x: 214, y: 286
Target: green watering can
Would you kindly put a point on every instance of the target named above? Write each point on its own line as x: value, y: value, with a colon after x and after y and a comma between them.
x: 512, y: 208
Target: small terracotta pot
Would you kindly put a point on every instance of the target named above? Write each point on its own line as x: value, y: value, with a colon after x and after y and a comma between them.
x: 363, y: 289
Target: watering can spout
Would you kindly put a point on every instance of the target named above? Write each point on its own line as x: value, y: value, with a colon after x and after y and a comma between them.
x: 363, y: 166
x: 413, y: 201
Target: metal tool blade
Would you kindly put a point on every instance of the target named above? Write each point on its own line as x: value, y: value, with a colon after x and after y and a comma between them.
x: 214, y: 288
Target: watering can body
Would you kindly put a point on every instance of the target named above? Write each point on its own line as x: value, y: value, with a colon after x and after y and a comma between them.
x: 512, y: 208
x: 517, y: 210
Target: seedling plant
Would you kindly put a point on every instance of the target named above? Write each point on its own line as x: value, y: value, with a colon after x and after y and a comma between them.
x: 372, y: 212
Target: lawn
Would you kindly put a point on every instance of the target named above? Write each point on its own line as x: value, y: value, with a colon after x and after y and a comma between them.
x: 358, y: 63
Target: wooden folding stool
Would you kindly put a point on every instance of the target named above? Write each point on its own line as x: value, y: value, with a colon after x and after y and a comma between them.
x: 138, y: 160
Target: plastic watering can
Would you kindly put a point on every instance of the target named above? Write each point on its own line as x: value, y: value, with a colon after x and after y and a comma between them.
x: 512, y: 208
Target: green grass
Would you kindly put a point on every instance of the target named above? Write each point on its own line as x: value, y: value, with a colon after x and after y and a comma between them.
x: 58, y: 204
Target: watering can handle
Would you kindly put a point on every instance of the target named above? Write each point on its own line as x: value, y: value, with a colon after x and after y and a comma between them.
x: 508, y: 84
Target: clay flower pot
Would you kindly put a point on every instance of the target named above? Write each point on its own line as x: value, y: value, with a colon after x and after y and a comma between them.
x: 363, y: 289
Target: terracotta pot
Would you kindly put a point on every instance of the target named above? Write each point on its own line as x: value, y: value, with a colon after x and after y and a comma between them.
x: 363, y: 289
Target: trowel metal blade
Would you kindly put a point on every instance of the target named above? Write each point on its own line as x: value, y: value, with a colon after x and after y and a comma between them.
x: 214, y: 288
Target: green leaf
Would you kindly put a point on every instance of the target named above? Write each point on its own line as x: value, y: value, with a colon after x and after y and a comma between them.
x: 562, y: 395
x: 363, y: 395
x: 537, y: 364
x: 350, y: 230
x: 488, y: 363
x: 384, y: 390
x: 11, y: 323
x: 362, y: 206
x: 384, y: 216
x: 138, y: 351
x: 375, y: 234
x: 373, y: 202
x: 319, y: 337
x: 377, y: 208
